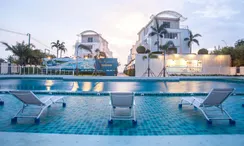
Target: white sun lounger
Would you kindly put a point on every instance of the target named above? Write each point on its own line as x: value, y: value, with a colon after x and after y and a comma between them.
x: 28, y: 98
x: 122, y: 106
x: 211, y: 106
x: 1, y: 101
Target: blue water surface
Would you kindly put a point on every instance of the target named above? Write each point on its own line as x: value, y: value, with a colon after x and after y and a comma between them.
x: 100, y: 86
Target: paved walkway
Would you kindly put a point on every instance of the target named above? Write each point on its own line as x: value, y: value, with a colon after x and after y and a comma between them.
x: 36, y: 139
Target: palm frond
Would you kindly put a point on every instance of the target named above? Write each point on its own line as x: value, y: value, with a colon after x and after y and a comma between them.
x: 191, y: 35
x: 154, y: 29
x: 7, y: 45
x: 186, y: 39
x: 156, y: 22
x: 81, y: 46
x: 162, y: 28
x: 152, y: 33
x: 156, y: 42
x: 196, y: 41
x: 197, y: 35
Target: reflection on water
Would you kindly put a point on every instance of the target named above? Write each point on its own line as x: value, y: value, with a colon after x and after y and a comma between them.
x: 99, y: 87
x: 86, y: 86
x: 75, y: 86
x: 48, y: 84
x: 146, y: 86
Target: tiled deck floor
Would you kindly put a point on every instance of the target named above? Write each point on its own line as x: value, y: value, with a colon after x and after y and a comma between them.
x: 89, y: 115
x: 24, y: 139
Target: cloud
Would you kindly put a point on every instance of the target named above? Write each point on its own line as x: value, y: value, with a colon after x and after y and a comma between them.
x: 215, y: 9
x: 222, y: 11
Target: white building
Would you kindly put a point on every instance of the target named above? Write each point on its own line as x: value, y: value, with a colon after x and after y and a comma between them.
x: 176, y: 33
x: 93, y: 40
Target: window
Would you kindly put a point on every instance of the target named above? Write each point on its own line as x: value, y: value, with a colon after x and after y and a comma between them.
x: 166, y: 24
x: 90, y: 39
x: 171, y: 35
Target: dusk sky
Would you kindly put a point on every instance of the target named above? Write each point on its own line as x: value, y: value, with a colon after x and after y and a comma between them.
x: 117, y: 20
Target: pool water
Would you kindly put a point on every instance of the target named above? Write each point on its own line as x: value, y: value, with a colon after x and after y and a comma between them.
x: 89, y: 115
x: 136, y: 86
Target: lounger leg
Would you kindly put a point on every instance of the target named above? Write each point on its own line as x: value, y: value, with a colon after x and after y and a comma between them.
x: 14, y: 119
x: 1, y: 102
x: 242, y: 105
x: 110, y: 121
x: 64, y: 104
x: 134, y: 116
x: 231, y: 121
x: 180, y: 104
x: 205, y: 115
x: 42, y: 109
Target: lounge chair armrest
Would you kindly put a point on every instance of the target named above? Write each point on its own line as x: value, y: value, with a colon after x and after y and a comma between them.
x: 198, y: 100
x: 50, y: 98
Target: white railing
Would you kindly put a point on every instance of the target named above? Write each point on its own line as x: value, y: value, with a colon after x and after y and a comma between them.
x: 32, y: 70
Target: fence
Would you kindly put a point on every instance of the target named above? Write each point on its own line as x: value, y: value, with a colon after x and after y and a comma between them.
x: 33, y: 70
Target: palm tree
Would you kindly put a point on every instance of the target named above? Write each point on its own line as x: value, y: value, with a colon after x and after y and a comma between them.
x: 192, y: 39
x: 84, y: 47
x: 62, y: 48
x: 159, y: 31
x: 20, y: 50
x: 58, y: 45
x: 100, y: 54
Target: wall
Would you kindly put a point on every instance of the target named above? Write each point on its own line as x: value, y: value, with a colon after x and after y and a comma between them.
x: 84, y: 38
x: 178, y: 64
x: 4, y: 68
x: 233, y: 71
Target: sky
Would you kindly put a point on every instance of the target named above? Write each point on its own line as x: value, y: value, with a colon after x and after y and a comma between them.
x: 118, y: 21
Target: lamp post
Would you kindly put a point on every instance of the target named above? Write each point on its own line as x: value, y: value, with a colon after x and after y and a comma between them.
x: 29, y: 37
x: 77, y: 49
x: 164, y: 68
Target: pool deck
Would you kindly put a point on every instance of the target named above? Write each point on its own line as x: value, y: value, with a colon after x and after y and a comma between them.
x: 36, y: 139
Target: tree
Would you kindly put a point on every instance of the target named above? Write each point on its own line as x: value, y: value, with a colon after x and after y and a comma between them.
x: 202, y: 51
x: 2, y: 60
x: 168, y: 47
x: 36, y: 57
x: 62, y: 48
x: 192, y: 39
x: 84, y: 47
x: 58, y: 45
x: 239, y: 43
x: 159, y: 31
x: 142, y: 50
x: 100, y: 54
x: 11, y: 59
x: 21, y: 50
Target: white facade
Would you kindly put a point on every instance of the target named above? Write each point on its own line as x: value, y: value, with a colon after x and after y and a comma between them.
x: 184, y: 64
x: 176, y: 33
x: 93, y: 40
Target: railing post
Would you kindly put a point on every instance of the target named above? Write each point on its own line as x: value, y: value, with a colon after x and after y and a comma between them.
x: 46, y: 70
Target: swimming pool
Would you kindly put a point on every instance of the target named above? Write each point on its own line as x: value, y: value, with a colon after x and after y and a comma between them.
x: 88, y: 115
x: 181, y: 86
